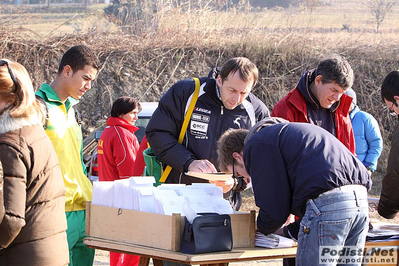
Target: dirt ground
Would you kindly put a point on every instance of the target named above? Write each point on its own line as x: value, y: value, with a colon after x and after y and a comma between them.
x: 102, y: 258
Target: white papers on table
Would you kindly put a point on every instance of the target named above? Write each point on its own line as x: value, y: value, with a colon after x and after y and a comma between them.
x: 222, y: 206
x: 273, y: 241
x: 103, y: 193
x: 190, y: 191
x: 138, y: 193
x: 144, y: 199
x: 167, y: 202
x: 210, y: 189
x: 123, y: 198
x: 202, y: 204
x: 175, y: 187
x: 141, y: 181
x: 383, y: 232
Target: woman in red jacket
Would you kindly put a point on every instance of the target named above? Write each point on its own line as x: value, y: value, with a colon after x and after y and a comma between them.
x: 117, y: 153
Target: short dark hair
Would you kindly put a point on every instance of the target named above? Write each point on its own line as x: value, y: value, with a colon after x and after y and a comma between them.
x: 124, y: 105
x: 390, y: 86
x: 232, y: 140
x: 335, y: 69
x: 77, y: 57
x: 248, y: 70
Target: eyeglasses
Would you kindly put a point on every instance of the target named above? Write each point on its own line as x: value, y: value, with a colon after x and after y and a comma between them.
x: 234, y: 173
x: 391, y: 110
x: 2, y: 63
x: 234, y: 176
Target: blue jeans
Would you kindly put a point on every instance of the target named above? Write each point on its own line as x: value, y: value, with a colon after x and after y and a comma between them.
x: 337, y: 218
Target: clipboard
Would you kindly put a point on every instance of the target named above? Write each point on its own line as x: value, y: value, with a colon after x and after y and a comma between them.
x: 218, y: 176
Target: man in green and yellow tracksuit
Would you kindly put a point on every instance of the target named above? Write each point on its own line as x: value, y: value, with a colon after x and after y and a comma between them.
x: 78, y: 68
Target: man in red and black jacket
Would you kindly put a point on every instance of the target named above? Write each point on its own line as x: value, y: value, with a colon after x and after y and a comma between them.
x: 319, y: 99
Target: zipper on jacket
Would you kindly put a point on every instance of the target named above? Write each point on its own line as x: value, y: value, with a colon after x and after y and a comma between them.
x: 221, y: 110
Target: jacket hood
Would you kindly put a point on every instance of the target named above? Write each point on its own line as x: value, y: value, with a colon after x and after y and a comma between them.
x: 354, y: 112
x: 211, y: 85
x: 8, y: 123
x: 303, y: 86
x: 214, y: 73
x: 117, y: 121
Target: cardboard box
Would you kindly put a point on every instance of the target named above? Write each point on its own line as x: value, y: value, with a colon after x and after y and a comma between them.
x: 156, y: 230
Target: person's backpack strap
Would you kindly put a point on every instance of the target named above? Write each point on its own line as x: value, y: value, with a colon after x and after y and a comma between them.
x: 78, y: 117
x: 42, y: 102
x: 77, y: 113
x: 185, y: 124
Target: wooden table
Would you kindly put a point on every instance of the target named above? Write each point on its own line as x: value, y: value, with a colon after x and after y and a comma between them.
x: 214, y: 259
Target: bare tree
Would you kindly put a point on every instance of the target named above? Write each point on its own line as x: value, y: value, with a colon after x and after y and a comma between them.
x: 379, y: 9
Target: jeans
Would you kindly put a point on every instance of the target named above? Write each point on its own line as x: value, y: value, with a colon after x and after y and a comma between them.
x: 337, y: 218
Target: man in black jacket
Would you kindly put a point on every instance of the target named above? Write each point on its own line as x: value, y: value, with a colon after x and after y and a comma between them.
x: 302, y: 169
x: 225, y: 101
x: 388, y: 206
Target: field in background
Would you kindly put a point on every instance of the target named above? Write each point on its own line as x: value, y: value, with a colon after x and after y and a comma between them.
x: 329, y: 16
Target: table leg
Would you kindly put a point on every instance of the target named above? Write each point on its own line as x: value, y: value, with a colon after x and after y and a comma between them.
x: 157, y: 262
x: 144, y: 261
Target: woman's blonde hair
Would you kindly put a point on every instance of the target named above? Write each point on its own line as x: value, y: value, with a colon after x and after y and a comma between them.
x: 21, y: 94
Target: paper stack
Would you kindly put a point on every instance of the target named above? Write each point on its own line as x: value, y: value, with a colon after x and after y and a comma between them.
x: 383, y: 232
x: 273, y: 241
x: 143, y: 193
x: 138, y: 193
x: 210, y: 189
x: 103, y: 193
x: 167, y: 201
x: 123, y: 198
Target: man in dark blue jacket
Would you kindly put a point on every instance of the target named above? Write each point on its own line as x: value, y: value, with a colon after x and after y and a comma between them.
x: 388, y: 206
x: 225, y: 101
x: 302, y: 169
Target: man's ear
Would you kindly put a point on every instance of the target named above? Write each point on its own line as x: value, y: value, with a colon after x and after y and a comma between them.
x: 396, y: 97
x: 67, y: 71
x: 318, y: 80
x: 238, y: 157
x: 219, y: 81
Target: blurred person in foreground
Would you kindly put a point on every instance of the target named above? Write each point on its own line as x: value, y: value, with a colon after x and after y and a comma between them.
x: 33, y: 229
x: 76, y: 72
x: 225, y: 101
x: 117, y: 154
x: 388, y: 205
x: 367, y: 134
x: 330, y: 199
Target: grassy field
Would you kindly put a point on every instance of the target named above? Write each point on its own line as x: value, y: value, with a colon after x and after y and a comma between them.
x: 328, y: 16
